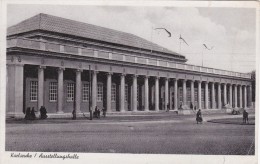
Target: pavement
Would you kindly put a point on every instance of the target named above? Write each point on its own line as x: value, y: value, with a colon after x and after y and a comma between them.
x: 161, y: 133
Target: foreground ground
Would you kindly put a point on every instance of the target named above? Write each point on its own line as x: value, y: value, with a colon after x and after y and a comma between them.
x: 160, y: 133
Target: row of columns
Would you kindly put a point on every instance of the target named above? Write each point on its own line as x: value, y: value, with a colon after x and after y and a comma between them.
x: 146, y: 94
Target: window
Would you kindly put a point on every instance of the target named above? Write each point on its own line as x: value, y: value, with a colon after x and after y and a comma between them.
x: 70, y: 92
x: 33, y: 90
x: 100, y: 92
x: 53, y: 91
x: 85, y: 96
x: 113, y: 93
x: 126, y: 93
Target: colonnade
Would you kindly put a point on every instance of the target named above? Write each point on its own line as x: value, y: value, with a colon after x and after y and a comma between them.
x: 229, y: 96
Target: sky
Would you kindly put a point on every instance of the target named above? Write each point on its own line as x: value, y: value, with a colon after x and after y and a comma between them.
x: 230, y: 31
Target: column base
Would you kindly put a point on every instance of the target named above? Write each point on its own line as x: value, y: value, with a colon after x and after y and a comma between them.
x: 60, y: 112
x: 78, y: 111
x: 15, y: 115
x: 185, y: 107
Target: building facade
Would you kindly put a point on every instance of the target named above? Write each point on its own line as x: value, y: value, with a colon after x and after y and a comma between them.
x: 64, y: 65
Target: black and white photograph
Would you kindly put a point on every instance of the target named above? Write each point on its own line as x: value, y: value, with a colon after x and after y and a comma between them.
x: 130, y: 80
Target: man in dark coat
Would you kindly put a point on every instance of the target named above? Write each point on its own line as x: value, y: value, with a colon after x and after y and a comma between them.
x: 43, y: 112
x: 33, y: 116
x: 28, y: 114
x: 245, y: 117
x: 191, y: 106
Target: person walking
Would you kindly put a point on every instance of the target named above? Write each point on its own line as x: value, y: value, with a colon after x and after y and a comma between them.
x: 199, y: 117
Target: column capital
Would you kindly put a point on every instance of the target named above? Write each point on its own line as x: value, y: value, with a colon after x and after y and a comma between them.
x: 95, y: 71
x: 175, y: 79
x: 109, y: 73
x: 135, y: 75
x: 198, y: 81
x: 79, y: 70
x: 61, y: 69
x: 206, y: 82
x: 146, y: 76
x: 123, y: 74
x: 41, y: 67
x: 15, y: 64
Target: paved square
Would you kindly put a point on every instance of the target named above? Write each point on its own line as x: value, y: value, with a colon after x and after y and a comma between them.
x: 164, y: 134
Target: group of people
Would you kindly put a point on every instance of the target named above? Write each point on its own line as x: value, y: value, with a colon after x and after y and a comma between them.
x: 30, y: 113
x: 97, y: 112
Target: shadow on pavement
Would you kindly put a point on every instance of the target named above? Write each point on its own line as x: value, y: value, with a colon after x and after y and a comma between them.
x: 236, y: 121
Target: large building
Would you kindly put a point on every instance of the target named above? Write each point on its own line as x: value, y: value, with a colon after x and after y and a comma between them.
x: 56, y: 62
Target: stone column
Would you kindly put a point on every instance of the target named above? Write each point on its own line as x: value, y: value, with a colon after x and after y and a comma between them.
x: 225, y: 93
x: 78, y: 90
x: 60, y: 90
x: 175, y: 94
x: 240, y: 97
x: 250, y: 97
x: 146, y: 93
x: 170, y: 97
x: 199, y: 94
x: 134, y: 93
x: 109, y: 83
x: 156, y: 93
x: 184, y: 95
x: 15, y: 89
x: 40, y: 86
x: 213, y: 95
x: 230, y: 95
x: 192, y: 92
x: 219, y: 96
x: 122, y: 93
x: 245, y: 97
x: 166, y: 93
x: 94, y: 90
x: 235, y: 102
x: 206, y: 95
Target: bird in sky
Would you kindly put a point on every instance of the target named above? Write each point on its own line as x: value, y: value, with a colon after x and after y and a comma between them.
x: 168, y: 32
x: 207, y: 47
x: 183, y: 40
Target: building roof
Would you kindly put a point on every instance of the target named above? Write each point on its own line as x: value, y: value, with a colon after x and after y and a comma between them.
x: 70, y: 27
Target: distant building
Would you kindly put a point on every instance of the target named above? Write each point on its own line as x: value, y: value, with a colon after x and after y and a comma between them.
x: 48, y: 61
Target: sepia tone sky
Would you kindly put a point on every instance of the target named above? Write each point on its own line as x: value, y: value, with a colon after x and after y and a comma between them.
x: 232, y: 31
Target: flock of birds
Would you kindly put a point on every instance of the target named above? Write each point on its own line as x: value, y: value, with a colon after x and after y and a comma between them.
x: 181, y: 38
